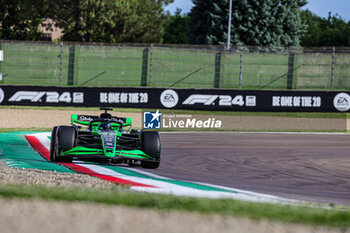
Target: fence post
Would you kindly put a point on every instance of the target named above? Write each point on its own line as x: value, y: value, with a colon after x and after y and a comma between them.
x: 151, y: 64
x: 61, y: 61
x: 332, y: 69
x: 290, y: 71
x: 240, y: 69
x: 144, y: 67
x: 217, y: 70
x: 71, y: 60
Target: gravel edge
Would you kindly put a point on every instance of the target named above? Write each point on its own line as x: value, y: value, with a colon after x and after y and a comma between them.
x: 16, y: 175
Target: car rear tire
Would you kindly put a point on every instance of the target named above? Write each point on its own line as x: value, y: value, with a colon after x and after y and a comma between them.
x: 63, y: 138
x: 150, y: 144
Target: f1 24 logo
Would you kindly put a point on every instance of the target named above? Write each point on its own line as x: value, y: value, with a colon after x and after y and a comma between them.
x: 51, y: 97
x: 223, y: 100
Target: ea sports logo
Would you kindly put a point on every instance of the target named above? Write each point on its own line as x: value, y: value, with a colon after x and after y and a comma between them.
x: 169, y: 98
x: 342, y: 102
x: 2, y: 95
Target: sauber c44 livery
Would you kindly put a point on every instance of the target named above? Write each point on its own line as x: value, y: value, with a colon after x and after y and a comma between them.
x: 104, y: 137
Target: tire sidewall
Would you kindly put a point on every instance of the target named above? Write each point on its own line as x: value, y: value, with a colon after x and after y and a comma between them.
x: 66, y: 136
x: 63, y: 138
x: 150, y: 144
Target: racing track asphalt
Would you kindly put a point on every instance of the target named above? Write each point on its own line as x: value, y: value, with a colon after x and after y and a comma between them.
x: 311, y: 167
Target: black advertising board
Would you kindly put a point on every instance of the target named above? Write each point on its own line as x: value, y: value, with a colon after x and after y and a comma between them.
x: 163, y: 98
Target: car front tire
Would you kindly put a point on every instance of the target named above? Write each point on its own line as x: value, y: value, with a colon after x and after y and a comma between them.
x: 150, y: 144
x: 63, y: 138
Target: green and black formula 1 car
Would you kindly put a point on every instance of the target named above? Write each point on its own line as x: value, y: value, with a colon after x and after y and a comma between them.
x: 105, y: 137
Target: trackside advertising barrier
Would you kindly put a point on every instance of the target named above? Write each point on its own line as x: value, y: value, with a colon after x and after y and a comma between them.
x: 162, y: 98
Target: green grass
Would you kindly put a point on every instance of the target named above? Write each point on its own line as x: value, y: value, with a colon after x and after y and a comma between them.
x: 7, y: 130
x: 122, y: 66
x: 338, y: 217
x: 193, y: 113
x: 199, y: 112
x: 271, y: 114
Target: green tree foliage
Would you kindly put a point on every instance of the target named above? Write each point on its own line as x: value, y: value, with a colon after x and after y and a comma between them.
x: 176, y: 28
x: 110, y: 20
x: 331, y: 31
x: 207, y: 22
x: 116, y: 21
x: 254, y: 22
x: 19, y: 20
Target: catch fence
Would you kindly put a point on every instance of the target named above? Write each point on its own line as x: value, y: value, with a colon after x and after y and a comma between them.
x: 131, y: 65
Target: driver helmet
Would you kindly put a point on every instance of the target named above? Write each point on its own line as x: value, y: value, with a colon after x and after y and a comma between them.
x: 104, y: 126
